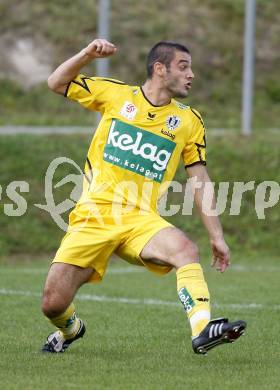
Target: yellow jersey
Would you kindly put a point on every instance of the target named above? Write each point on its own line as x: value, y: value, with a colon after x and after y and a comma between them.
x: 137, y: 146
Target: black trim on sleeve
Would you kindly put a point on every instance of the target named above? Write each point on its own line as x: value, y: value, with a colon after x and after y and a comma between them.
x: 87, y: 178
x: 200, y: 146
x: 67, y: 88
x: 83, y: 83
x: 90, y: 167
x: 113, y: 81
x: 199, y: 117
x: 195, y: 163
x: 201, y: 121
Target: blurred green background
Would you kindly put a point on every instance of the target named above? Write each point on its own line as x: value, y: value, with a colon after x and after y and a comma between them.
x: 36, y: 36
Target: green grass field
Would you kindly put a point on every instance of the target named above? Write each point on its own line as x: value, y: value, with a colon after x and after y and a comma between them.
x: 137, y: 336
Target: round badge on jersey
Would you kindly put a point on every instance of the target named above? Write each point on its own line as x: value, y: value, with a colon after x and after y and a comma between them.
x: 172, y: 122
x: 128, y: 110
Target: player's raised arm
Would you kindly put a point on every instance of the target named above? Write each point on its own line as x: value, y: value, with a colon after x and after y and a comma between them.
x: 68, y: 70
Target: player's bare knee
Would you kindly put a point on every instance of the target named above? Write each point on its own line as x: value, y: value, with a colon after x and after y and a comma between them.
x: 51, y: 305
x: 187, y: 252
x: 188, y: 249
x: 192, y: 251
x: 51, y: 310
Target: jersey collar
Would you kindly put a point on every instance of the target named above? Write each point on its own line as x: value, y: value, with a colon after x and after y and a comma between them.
x: 145, y: 97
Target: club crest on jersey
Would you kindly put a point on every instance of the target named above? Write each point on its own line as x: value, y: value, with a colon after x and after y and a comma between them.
x: 172, y: 122
x: 128, y: 110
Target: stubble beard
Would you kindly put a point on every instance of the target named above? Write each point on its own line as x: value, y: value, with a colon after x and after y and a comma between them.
x: 175, y: 93
x: 179, y: 94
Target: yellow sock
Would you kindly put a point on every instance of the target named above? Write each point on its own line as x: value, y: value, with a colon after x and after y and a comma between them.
x: 67, y: 322
x: 194, y: 295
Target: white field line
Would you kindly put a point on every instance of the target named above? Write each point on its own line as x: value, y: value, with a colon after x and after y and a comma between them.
x: 137, y: 269
x: 145, y: 301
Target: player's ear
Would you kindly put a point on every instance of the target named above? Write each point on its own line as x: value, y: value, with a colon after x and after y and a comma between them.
x: 159, y: 69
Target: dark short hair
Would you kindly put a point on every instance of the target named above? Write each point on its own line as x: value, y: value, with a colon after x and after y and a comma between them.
x: 163, y: 52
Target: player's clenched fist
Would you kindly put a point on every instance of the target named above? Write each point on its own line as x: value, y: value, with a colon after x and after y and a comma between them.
x: 100, y: 48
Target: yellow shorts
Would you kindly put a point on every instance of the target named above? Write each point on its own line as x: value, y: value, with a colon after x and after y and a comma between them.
x: 89, y: 242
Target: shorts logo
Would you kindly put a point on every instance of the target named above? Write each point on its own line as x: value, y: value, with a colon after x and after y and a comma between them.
x: 186, y: 299
x: 172, y: 122
x: 128, y: 110
x: 138, y: 150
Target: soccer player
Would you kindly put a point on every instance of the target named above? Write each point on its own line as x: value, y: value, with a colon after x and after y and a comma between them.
x: 133, y: 156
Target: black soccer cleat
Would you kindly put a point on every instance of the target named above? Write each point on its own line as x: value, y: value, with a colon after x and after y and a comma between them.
x: 57, y: 343
x: 217, y: 332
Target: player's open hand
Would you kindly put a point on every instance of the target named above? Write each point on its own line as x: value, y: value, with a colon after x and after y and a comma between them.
x: 100, y: 48
x: 221, y: 255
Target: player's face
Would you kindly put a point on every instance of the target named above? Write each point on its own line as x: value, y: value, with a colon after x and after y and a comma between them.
x: 179, y: 76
